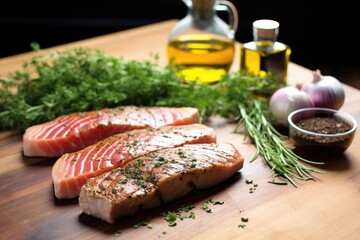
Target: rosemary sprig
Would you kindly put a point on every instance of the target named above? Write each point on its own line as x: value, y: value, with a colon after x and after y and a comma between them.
x: 284, y: 163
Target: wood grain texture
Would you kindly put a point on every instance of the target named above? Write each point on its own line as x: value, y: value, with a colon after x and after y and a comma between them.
x: 324, y: 209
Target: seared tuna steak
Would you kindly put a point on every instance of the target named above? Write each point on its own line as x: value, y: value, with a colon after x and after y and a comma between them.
x: 158, y: 178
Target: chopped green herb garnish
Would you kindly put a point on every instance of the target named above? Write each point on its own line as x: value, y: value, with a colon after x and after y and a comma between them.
x: 139, y: 162
x: 170, y: 217
x: 145, y: 223
x: 141, y: 183
x: 190, y: 166
x: 248, y: 181
x: 181, y: 154
x: 124, y: 181
x: 244, y: 219
x: 171, y: 223
x: 158, y: 164
x: 206, y: 208
x: 191, y: 215
x: 185, y: 208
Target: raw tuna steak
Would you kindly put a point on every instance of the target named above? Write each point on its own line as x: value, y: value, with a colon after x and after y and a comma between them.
x: 72, y: 170
x: 70, y: 133
x: 158, y: 178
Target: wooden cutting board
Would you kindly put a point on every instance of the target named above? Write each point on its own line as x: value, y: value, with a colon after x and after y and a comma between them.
x: 327, y: 208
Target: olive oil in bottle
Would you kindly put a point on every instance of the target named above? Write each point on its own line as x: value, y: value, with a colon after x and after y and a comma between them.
x: 202, y: 57
x: 265, y: 55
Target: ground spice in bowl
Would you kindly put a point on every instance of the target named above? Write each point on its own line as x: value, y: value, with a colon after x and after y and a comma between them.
x: 321, y: 130
x: 324, y: 125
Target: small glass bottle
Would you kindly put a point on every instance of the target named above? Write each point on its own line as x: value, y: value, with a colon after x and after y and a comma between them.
x: 265, y: 55
x: 201, y: 44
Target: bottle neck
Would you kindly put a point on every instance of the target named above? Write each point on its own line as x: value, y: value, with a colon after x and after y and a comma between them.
x: 202, y: 10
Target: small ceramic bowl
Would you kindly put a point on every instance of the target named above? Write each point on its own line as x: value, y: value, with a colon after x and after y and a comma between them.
x: 322, y: 130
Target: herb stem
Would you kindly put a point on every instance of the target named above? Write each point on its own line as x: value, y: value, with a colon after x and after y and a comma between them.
x: 269, y: 144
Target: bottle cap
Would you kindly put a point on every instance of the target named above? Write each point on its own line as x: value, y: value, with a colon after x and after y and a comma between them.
x: 265, y: 29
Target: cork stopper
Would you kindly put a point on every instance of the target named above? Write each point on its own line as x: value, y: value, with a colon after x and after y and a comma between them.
x: 265, y: 29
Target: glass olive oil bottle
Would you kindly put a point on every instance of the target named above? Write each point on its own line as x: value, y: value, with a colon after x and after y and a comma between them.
x: 265, y: 55
x: 201, y: 45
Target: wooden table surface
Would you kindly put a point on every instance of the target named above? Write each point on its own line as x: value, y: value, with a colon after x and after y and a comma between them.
x: 328, y: 208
